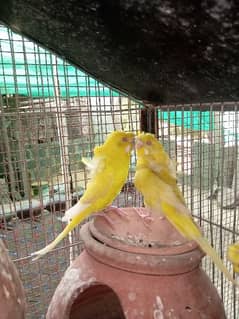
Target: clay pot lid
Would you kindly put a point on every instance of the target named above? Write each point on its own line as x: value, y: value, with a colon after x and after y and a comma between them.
x: 131, y: 233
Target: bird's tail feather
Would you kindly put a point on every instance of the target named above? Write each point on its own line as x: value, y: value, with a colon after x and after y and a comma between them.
x: 210, y: 251
x: 53, y: 244
x: 75, y: 221
x: 186, y: 226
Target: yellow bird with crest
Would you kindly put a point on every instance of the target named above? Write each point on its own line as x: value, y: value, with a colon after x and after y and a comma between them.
x: 155, y: 178
x: 109, y: 170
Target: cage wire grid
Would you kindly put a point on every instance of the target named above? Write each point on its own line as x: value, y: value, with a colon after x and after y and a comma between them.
x: 51, y: 115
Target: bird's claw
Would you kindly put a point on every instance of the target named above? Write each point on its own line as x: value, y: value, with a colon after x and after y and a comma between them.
x: 117, y: 210
x: 107, y: 218
x: 145, y: 215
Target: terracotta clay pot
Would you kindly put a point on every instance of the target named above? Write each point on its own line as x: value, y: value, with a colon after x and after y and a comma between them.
x: 12, y: 297
x: 135, y: 270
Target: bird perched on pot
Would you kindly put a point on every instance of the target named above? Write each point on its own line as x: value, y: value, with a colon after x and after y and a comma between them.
x: 155, y: 178
x: 109, y: 170
x: 233, y: 255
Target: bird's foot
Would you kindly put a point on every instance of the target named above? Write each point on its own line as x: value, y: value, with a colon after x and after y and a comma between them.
x: 145, y: 214
x: 107, y: 218
x: 117, y: 210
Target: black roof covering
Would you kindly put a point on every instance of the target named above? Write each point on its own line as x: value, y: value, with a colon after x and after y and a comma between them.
x: 157, y: 51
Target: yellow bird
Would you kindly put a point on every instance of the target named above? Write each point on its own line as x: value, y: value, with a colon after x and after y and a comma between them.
x: 233, y: 255
x: 155, y: 178
x: 109, y: 171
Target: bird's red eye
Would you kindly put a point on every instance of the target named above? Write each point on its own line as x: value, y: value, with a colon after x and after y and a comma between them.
x: 149, y: 143
x: 125, y: 139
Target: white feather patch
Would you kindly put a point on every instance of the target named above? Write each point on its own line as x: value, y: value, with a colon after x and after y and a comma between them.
x: 94, y: 165
x: 74, y: 211
x: 128, y: 149
x: 87, y: 162
x: 172, y: 168
x: 155, y: 166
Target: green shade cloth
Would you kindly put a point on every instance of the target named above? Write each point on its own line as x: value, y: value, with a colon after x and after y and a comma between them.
x: 27, y: 69
x: 195, y: 120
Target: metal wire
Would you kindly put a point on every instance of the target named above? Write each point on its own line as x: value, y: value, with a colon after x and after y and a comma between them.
x: 204, y: 142
x: 51, y: 115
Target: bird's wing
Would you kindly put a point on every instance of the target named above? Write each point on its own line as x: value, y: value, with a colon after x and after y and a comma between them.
x: 167, y: 178
x: 94, y: 165
x: 159, y: 161
x: 95, y: 195
x: 173, y: 167
x: 167, y: 173
x: 101, y: 182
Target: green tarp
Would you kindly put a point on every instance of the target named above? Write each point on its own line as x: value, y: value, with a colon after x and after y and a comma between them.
x: 27, y: 69
x: 195, y: 120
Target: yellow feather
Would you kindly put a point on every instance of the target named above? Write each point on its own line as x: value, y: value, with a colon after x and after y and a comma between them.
x: 159, y: 187
x: 113, y: 158
x: 233, y: 255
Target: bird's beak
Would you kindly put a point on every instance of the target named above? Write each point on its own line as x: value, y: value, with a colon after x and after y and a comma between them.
x: 130, y: 145
x: 138, y: 144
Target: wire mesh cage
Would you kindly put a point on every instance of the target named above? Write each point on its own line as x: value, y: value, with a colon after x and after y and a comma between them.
x: 53, y: 114
x: 204, y: 141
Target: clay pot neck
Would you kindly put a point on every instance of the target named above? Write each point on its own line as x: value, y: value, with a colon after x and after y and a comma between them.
x: 131, y: 244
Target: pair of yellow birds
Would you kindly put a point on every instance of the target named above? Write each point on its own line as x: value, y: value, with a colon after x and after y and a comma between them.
x: 155, y: 178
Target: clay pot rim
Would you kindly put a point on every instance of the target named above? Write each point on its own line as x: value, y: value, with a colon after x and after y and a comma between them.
x: 159, y: 250
x: 140, y: 262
